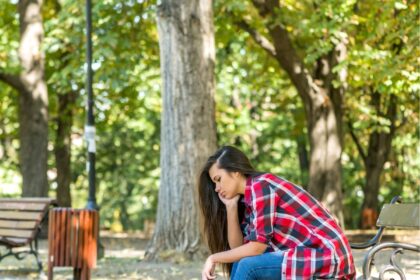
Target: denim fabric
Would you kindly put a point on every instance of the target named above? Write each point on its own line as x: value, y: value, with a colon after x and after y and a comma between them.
x: 266, y: 266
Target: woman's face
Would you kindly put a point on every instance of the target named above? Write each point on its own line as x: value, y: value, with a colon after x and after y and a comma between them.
x: 228, y: 184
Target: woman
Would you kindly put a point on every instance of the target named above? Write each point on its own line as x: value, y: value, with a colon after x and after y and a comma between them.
x: 266, y: 226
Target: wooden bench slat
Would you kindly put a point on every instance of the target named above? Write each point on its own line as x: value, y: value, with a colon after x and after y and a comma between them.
x: 44, y: 200
x: 14, y: 241
x: 16, y: 233
x: 21, y: 215
x: 18, y: 224
x: 400, y: 215
x: 23, y: 206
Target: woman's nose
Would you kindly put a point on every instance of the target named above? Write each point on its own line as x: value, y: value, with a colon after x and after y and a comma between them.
x: 217, y: 189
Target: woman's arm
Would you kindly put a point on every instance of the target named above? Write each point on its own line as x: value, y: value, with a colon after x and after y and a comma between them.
x: 250, y: 249
x: 235, y: 237
x: 247, y: 250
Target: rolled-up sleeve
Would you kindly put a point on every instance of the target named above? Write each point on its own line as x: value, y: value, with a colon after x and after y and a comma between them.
x: 263, y: 203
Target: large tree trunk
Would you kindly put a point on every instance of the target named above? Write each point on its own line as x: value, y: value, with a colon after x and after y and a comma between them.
x: 33, y: 109
x: 303, y: 159
x: 325, y: 132
x: 322, y: 103
x: 188, y: 133
x: 62, y: 148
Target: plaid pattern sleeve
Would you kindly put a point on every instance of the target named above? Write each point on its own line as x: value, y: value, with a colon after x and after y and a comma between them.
x: 287, y: 218
x: 262, y: 216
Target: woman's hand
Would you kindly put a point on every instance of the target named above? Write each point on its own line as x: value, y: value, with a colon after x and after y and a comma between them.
x: 208, y: 269
x: 229, y: 202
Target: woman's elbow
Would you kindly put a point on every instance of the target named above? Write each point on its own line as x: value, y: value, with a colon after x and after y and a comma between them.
x: 258, y: 247
x: 234, y: 245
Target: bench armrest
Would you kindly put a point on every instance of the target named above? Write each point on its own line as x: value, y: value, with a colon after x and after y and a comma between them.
x: 369, y: 243
x: 377, y: 238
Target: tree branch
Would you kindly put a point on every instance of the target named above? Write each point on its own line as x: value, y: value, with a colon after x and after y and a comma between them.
x: 356, y: 141
x: 286, y: 54
x: 258, y: 38
x: 12, y: 80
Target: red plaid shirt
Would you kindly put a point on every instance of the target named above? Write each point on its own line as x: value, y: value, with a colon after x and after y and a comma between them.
x: 287, y: 218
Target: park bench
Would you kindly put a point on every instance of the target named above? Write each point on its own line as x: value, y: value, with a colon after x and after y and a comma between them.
x: 393, y: 215
x: 20, y: 225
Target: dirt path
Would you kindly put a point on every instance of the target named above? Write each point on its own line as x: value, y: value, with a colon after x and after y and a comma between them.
x: 124, y: 260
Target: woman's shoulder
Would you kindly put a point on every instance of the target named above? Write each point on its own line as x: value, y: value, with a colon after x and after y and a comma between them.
x: 267, y: 177
x: 275, y: 182
x: 265, y: 180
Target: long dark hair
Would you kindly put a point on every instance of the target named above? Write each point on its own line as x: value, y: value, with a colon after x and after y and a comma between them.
x: 214, y: 211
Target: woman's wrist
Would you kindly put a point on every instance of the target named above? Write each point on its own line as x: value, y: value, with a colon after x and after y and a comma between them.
x: 212, y: 259
x: 232, y: 206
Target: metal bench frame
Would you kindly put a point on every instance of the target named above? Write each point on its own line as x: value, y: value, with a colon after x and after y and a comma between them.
x: 376, y: 247
x: 20, y: 255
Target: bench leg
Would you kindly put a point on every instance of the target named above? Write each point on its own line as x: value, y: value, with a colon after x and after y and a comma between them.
x: 35, y: 253
x: 77, y: 273
x: 21, y: 255
x: 50, y: 272
x: 9, y: 253
x: 398, y: 248
x: 86, y: 273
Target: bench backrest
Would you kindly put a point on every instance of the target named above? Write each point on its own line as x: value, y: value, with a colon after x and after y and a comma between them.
x: 405, y: 215
x: 20, y: 219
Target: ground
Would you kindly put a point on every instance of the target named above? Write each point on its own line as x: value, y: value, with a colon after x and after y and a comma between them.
x: 124, y: 260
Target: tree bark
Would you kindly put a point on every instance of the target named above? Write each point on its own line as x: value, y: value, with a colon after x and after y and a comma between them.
x: 322, y: 103
x: 62, y: 148
x: 303, y: 159
x: 33, y: 101
x: 188, y: 132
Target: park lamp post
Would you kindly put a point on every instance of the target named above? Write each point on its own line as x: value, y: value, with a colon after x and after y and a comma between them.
x: 90, y: 130
x: 90, y: 124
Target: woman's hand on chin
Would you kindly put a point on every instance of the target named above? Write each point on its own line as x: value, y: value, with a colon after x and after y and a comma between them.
x: 230, y: 202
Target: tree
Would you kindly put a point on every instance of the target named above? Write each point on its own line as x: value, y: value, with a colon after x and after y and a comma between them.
x: 33, y: 100
x: 62, y: 61
x: 383, y: 81
x: 188, y: 132
x: 311, y: 70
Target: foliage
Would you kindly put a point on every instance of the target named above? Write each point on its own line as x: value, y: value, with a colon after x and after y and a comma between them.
x: 9, y: 42
x: 257, y: 109
x: 383, y: 54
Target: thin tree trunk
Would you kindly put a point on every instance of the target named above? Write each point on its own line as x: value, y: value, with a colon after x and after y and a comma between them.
x: 379, y: 148
x: 188, y: 133
x: 378, y: 152
x: 4, y: 147
x: 33, y: 101
x: 124, y: 214
x: 62, y: 148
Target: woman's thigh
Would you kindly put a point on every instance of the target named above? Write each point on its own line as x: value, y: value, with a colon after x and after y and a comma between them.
x: 266, y: 266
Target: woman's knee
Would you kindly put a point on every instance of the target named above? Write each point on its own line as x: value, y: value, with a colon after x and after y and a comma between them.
x: 244, y: 269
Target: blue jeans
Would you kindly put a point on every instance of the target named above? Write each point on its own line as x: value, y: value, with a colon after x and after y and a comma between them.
x: 266, y: 266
